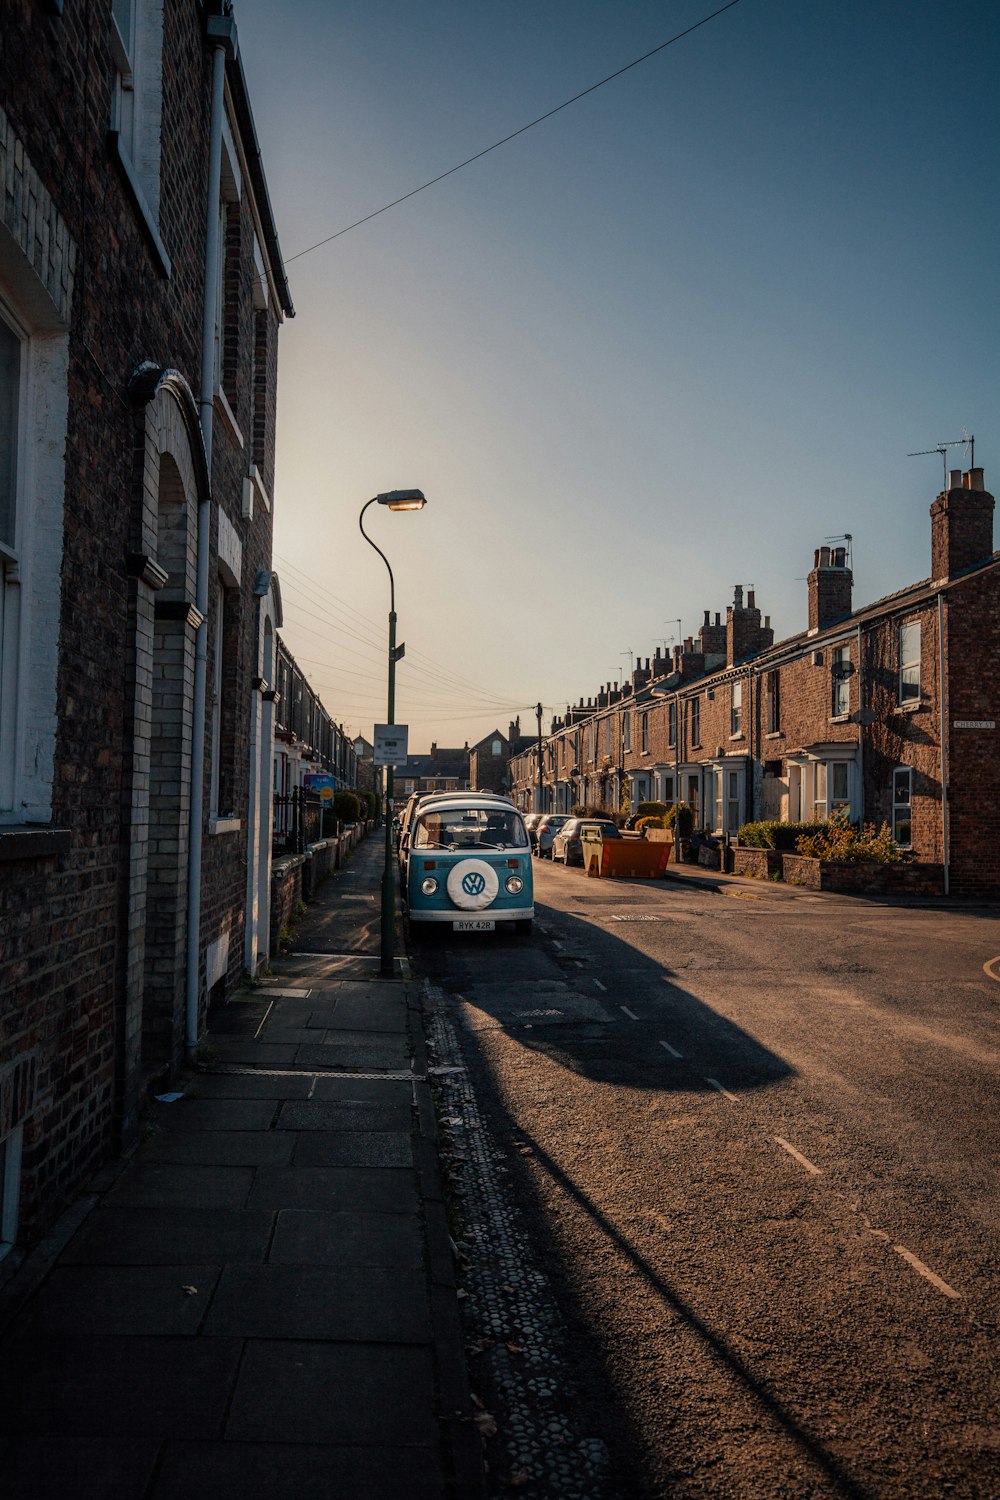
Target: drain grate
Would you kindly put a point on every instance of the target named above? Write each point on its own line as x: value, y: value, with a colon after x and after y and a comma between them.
x: 249, y: 1069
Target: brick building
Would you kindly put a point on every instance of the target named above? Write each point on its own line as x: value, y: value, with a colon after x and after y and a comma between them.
x: 443, y: 770
x: 141, y: 293
x: 889, y: 712
x: 490, y: 757
x: 307, y: 740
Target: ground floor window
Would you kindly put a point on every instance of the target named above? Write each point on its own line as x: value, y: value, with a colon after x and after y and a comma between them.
x: 10, y: 1188
x: 902, y: 791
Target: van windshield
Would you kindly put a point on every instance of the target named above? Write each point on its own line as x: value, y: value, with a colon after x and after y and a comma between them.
x: 469, y: 828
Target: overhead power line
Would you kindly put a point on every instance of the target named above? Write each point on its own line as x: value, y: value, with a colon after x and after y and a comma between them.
x: 671, y: 41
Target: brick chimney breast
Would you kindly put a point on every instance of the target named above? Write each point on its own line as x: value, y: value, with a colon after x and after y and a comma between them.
x: 830, y: 584
x: 961, y: 525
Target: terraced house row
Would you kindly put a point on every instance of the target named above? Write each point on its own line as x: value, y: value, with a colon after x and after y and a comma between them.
x: 888, y: 712
x: 141, y: 295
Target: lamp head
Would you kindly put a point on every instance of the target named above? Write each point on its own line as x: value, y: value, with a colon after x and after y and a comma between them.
x: 402, y: 499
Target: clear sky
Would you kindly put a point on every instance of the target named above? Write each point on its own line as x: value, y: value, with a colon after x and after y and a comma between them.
x: 664, y: 343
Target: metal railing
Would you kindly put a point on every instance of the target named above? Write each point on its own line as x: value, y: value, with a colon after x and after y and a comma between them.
x: 297, y: 822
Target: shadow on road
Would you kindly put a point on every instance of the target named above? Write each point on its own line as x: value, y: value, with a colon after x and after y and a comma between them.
x: 546, y: 997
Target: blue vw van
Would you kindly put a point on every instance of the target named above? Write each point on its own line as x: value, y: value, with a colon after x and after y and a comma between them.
x: 467, y: 864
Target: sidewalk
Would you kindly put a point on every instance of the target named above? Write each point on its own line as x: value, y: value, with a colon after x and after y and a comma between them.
x: 262, y: 1301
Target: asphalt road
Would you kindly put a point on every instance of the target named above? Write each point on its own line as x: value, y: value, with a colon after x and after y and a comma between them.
x: 753, y: 1136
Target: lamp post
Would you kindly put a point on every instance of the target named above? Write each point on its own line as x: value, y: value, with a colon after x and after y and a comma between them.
x: 392, y: 500
x: 538, y: 716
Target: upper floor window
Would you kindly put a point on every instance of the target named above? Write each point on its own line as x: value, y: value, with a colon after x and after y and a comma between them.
x: 607, y: 723
x: 736, y: 710
x: 496, y: 748
x: 672, y: 722
x: 137, y: 101
x: 773, y: 684
x: 694, y: 720
x: 909, y: 662
x: 626, y: 730
x: 10, y: 405
x: 840, y: 704
x: 644, y: 732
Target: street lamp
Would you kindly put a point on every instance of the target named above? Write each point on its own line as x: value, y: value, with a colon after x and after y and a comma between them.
x: 392, y: 500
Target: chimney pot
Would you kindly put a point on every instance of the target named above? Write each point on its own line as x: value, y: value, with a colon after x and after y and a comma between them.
x: 974, y: 480
x: 750, y: 603
x: 955, y: 479
x: 738, y: 596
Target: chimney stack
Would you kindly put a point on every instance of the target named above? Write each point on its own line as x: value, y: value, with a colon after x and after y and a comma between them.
x: 745, y: 636
x: 961, y: 525
x: 829, y: 588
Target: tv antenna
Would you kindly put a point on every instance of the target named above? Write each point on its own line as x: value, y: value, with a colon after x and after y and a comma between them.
x: 967, y: 440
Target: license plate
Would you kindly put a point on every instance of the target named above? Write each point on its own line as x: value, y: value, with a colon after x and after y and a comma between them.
x: 474, y: 924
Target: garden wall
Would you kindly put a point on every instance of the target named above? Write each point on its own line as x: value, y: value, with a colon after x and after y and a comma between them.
x: 863, y: 878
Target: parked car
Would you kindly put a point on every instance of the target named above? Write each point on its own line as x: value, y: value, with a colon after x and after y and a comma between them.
x: 531, y: 822
x: 545, y: 831
x: 567, y: 845
x: 468, y: 865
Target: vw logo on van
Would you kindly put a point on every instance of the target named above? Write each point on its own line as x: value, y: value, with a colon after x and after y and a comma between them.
x: 473, y: 884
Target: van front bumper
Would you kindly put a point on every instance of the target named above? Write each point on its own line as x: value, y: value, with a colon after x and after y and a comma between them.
x: 491, y: 913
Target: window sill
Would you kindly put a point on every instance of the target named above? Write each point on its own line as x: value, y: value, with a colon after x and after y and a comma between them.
x: 20, y: 842
x: 775, y: 734
x: 139, y: 202
x: 840, y: 718
x: 911, y: 708
x: 224, y: 825
x: 228, y: 416
x: 740, y: 736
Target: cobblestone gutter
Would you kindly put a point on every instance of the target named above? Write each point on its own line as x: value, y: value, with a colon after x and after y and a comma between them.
x: 519, y: 1363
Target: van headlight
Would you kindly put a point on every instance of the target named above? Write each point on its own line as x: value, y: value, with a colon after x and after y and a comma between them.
x: 429, y: 886
x: 514, y: 884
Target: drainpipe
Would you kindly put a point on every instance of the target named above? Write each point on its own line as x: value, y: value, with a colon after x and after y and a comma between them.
x: 221, y: 33
x: 943, y: 726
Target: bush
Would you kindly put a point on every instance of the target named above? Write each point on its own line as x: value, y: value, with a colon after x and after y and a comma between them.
x: 650, y: 810
x: 369, y: 804
x: 774, y: 835
x: 839, y: 840
x: 346, y: 807
x: 684, y: 815
x: 641, y: 824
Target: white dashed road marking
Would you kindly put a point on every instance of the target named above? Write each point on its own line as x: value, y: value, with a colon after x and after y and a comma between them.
x: 724, y: 1092
x: 630, y: 1013
x: 601, y: 986
x: 672, y: 1050
x: 803, y: 1160
x: 926, y: 1272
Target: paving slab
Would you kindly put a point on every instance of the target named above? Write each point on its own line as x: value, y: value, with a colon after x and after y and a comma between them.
x: 382, y: 1091
x: 387, y: 1114
x: 132, y: 1300
x: 354, y: 1148
x: 357, y: 1303
x: 249, y: 1085
x: 378, y: 1189
x: 216, y: 1114
x: 347, y: 1237
x: 299, y: 1392
x: 35, y: 1467
x: 222, y: 1148
x: 280, y: 1471
x: 261, y: 1054
x: 168, y: 1185
x: 115, y: 1388
x: 355, y: 1053
x: 170, y: 1237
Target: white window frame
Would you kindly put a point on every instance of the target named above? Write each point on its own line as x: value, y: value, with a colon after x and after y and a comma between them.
x: 30, y: 574
x: 137, y: 104
x: 899, y: 804
x: 694, y: 720
x: 909, y: 663
x: 840, y: 685
x: 626, y: 731
x: 736, y: 711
